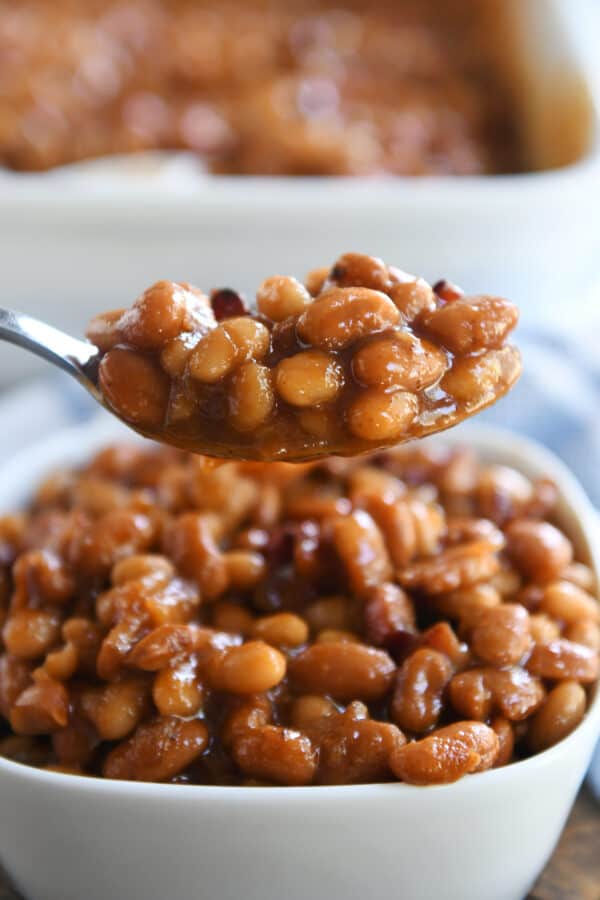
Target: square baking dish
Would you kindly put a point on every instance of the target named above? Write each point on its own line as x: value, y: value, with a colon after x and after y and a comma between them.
x: 93, y: 235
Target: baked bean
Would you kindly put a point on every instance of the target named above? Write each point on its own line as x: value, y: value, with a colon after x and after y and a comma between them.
x: 566, y: 602
x: 251, y: 397
x: 335, y: 636
x: 194, y: 550
x: 309, y: 378
x: 369, y: 483
x: 400, y: 362
x: 581, y: 575
x: 466, y: 605
x: 471, y: 324
x: 76, y: 743
x: 543, y: 629
x: 250, y: 338
x: 158, y: 569
x: 360, y: 546
x: 245, y: 569
x: 377, y: 416
x: 460, y: 529
x: 227, y: 616
x: 312, y: 714
x: 447, y: 754
x: 176, y: 690
x: 355, y: 751
x: 276, y: 754
x: 418, y: 695
x: 155, y: 650
x: 86, y: 636
x: 441, y: 637
x: 340, y: 316
x: 213, y: 357
x: 315, y: 280
x: 413, y: 296
x: 282, y: 629
x: 506, y: 739
x: 410, y: 527
x: 360, y: 270
x: 250, y: 712
x: 175, y: 354
x: 116, y: 709
x: 61, y: 664
x: 15, y: 676
x: 561, y: 713
x: 330, y: 612
x: 388, y: 610
x: 41, y: 708
x: 30, y: 633
x: 501, y: 634
x: 250, y: 669
x: 346, y: 671
x: 280, y: 297
x: 103, y: 331
x: 586, y: 632
x: 134, y: 387
x: 157, y: 750
x: 41, y: 577
x: 456, y: 567
x: 158, y: 316
x: 503, y: 493
x: 563, y: 659
x: 117, y: 645
x: 476, y: 380
x: 538, y: 549
x: 514, y: 692
x: 114, y: 536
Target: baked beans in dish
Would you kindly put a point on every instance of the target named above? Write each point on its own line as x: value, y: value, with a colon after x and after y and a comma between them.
x: 271, y: 87
x: 415, y: 615
x: 361, y: 356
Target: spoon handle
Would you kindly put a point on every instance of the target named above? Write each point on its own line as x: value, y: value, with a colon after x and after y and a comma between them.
x: 70, y: 354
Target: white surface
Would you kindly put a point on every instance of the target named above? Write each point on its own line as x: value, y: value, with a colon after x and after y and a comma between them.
x: 484, y: 838
x: 92, y: 237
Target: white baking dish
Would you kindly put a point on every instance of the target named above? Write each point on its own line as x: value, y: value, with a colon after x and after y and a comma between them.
x: 92, y: 236
x: 484, y: 838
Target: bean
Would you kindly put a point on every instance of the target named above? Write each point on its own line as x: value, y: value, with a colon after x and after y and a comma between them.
x: 251, y: 397
x: 232, y: 617
x: 506, y: 739
x: 345, y: 671
x: 388, y: 610
x: 156, y: 650
x: 41, y: 708
x: 117, y: 708
x: 456, y: 567
x: 476, y: 381
x: 357, y: 751
x: 377, y: 416
x: 340, y: 316
x: 250, y: 669
x: 282, y: 629
x: 501, y: 634
x: 156, y: 317
x: 134, y: 386
x: 538, y: 549
x: 360, y: 270
x: 513, y: 691
x: 400, y: 362
x: 177, y: 691
x: 309, y: 378
x: 30, y: 633
x: 561, y: 713
x: 280, y: 297
x: 418, y: 694
x: 158, y: 750
x: 15, y: 676
x: 213, y: 357
x: 360, y: 546
x: 245, y: 569
x: 276, y: 754
x: 563, y: 659
x: 471, y: 324
x: 566, y: 602
x: 250, y: 338
x: 413, y: 296
x: 446, y: 755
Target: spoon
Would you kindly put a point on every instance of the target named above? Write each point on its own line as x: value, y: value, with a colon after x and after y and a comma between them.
x: 82, y: 360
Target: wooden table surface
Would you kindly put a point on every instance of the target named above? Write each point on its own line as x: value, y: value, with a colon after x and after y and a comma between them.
x: 573, y: 873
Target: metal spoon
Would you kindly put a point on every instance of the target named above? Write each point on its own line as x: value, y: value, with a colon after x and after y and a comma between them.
x: 78, y: 358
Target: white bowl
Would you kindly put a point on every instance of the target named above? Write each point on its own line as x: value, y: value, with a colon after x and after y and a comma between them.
x: 92, y: 236
x: 486, y: 837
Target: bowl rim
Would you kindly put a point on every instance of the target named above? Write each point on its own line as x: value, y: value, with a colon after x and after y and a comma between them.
x: 76, y: 442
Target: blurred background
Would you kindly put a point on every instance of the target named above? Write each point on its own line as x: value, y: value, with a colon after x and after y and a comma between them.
x: 221, y: 142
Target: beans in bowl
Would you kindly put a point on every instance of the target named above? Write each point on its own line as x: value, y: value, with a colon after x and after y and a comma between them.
x: 415, y: 615
x: 361, y: 356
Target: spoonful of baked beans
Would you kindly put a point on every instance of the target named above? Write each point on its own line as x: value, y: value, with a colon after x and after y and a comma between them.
x: 359, y: 357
